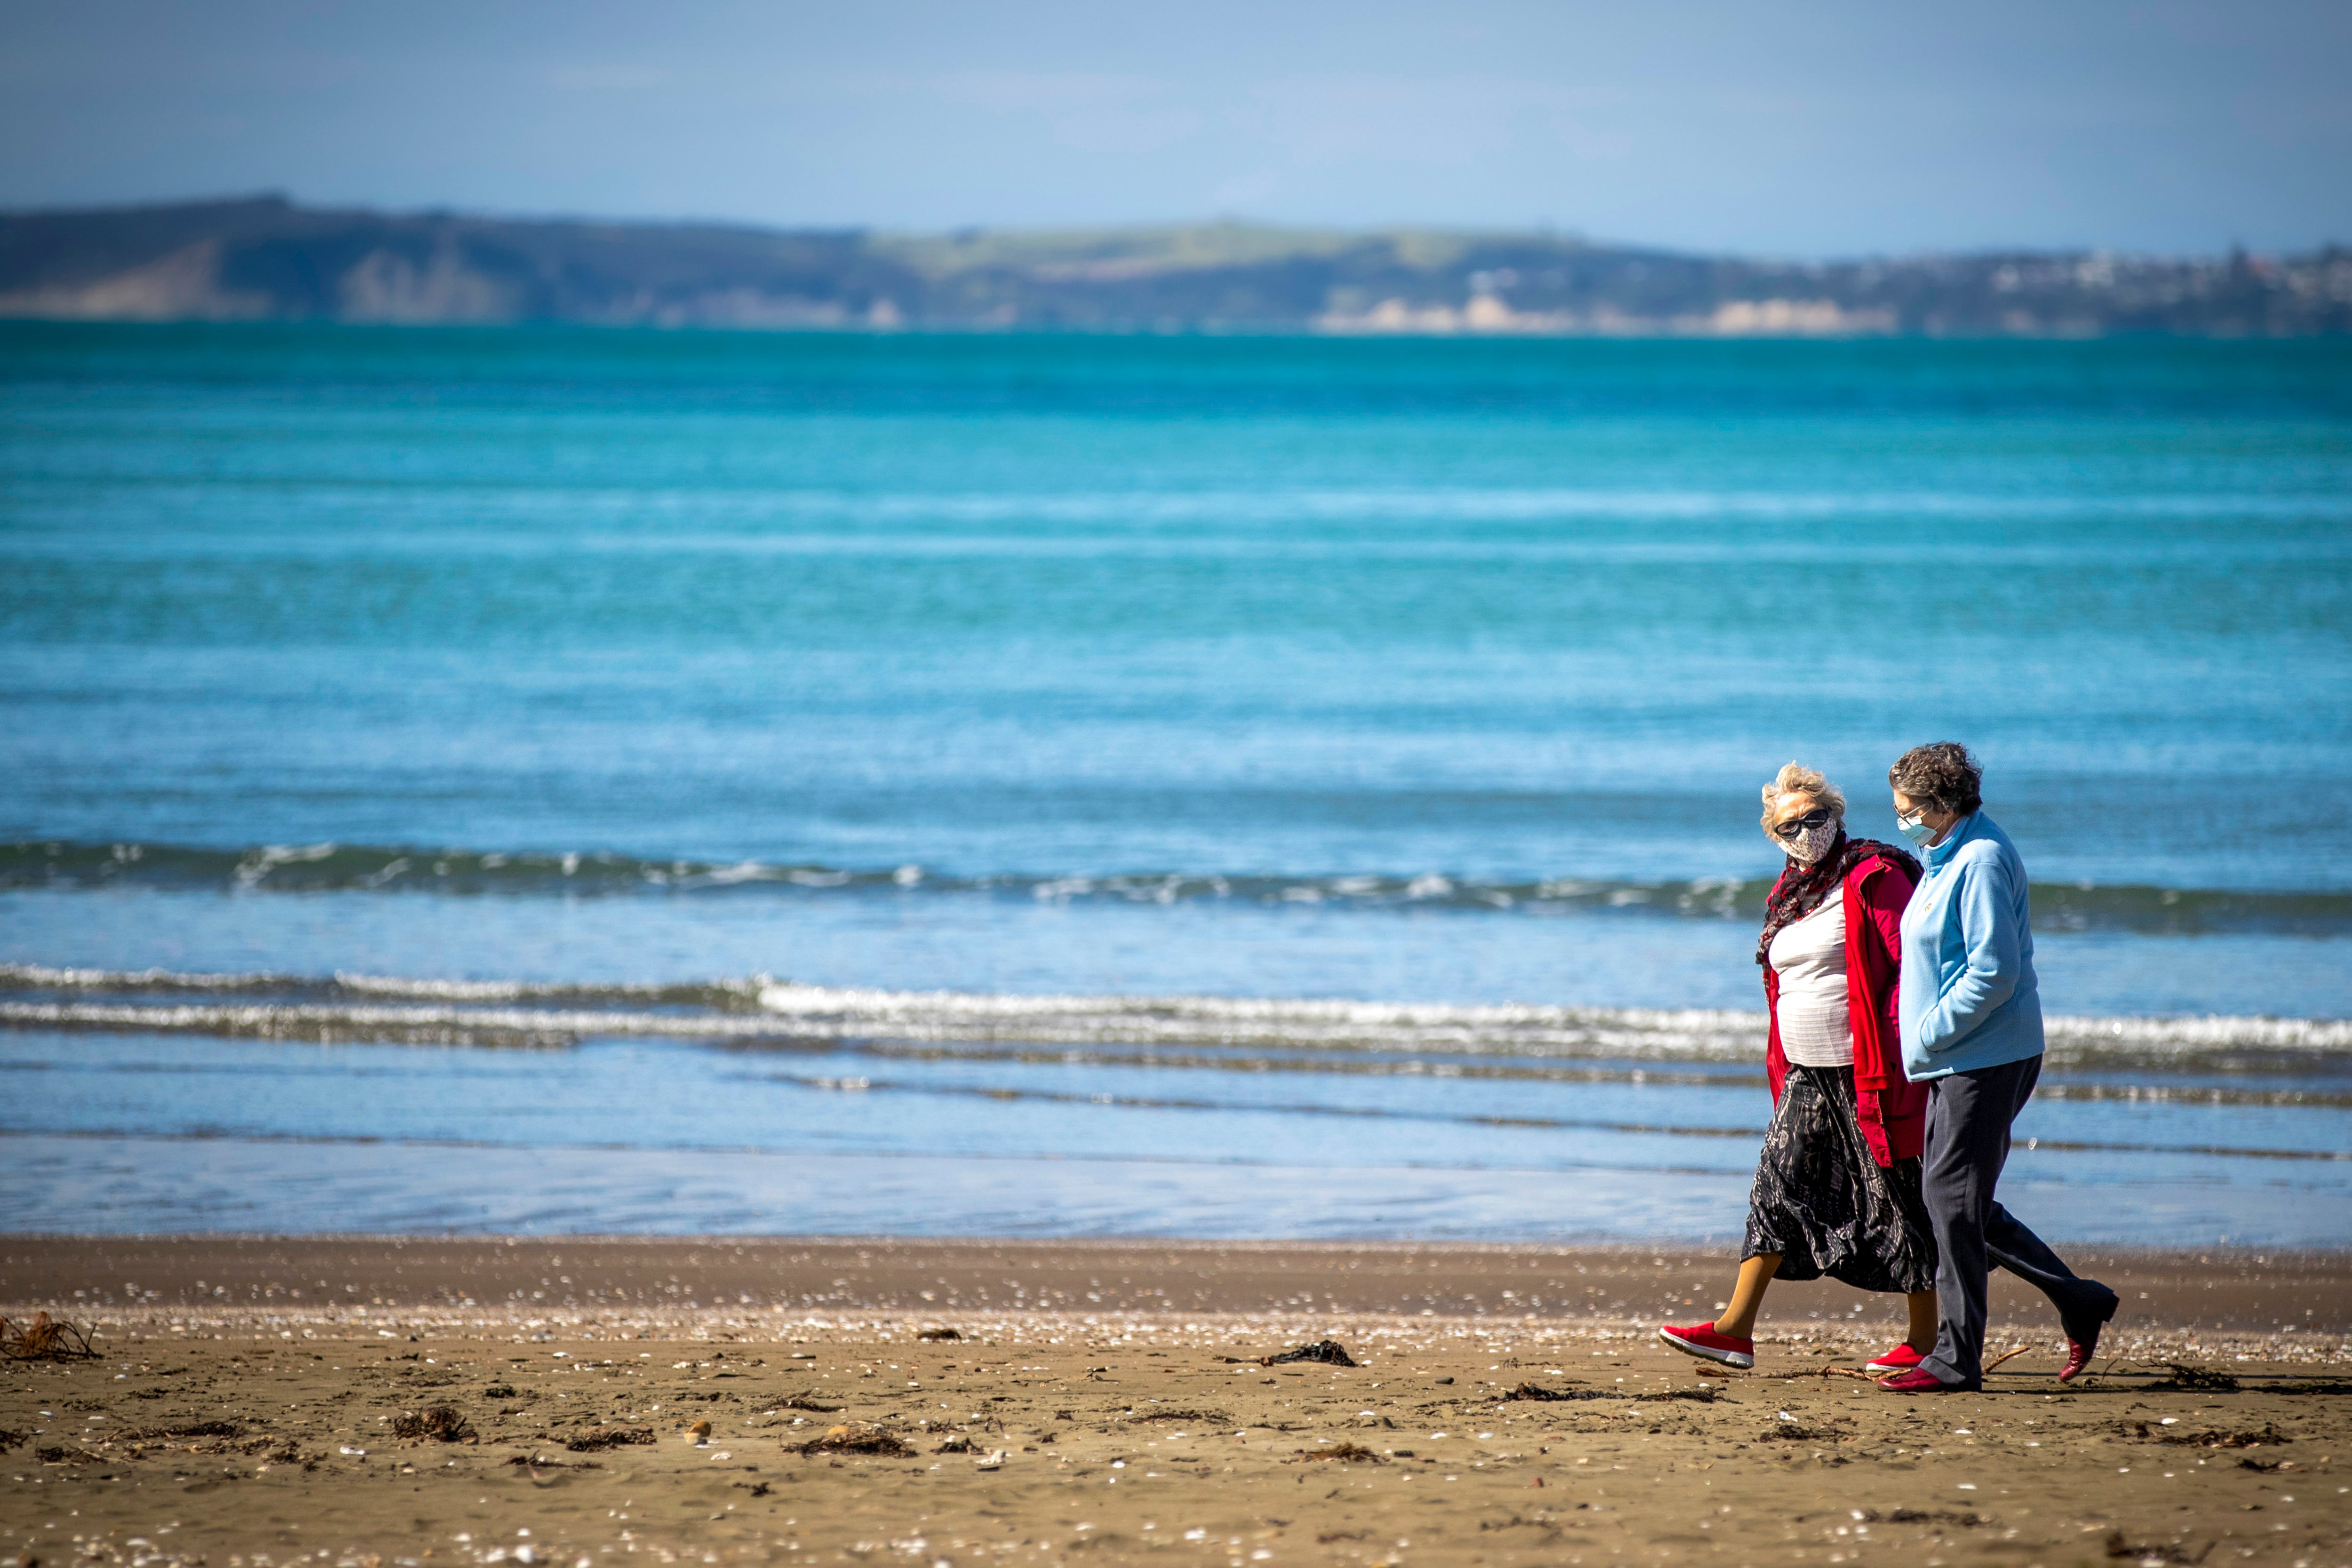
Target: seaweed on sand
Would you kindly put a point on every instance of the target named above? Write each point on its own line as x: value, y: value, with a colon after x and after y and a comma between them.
x: 2214, y: 1439
x: 2119, y: 1546
x: 611, y: 1437
x: 60, y: 1454
x: 806, y: 1401
x: 190, y: 1430
x: 2202, y: 1378
x: 44, y: 1339
x: 848, y: 1439
x: 1702, y: 1394
x: 1346, y: 1453
x: 1330, y: 1353
x: 1536, y: 1391
x: 440, y: 1423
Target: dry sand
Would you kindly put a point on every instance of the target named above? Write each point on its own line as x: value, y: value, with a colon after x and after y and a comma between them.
x: 236, y: 1422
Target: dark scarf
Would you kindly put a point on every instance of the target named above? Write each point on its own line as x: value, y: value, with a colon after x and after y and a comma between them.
x: 1802, y: 889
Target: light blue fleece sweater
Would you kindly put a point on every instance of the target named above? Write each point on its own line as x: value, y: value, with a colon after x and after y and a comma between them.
x: 1969, y: 998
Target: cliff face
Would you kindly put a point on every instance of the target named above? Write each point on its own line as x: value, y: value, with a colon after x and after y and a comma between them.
x: 268, y: 260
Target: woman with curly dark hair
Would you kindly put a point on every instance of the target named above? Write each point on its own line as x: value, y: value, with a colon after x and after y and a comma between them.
x: 1970, y: 1017
x: 1837, y: 1186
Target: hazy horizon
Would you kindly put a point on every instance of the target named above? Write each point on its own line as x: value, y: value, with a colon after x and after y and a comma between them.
x: 1144, y: 226
x: 1834, y: 130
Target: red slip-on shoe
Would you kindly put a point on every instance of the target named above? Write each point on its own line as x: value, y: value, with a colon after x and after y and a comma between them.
x: 2083, y: 1341
x: 1701, y: 1340
x: 2079, y: 1353
x: 1902, y: 1358
x: 1919, y: 1379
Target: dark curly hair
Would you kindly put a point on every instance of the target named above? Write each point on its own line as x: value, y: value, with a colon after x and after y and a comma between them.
x: 1942, y: 774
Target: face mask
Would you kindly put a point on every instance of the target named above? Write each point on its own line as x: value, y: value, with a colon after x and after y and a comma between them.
x: 1914, y: 830
x: 1811, y: 844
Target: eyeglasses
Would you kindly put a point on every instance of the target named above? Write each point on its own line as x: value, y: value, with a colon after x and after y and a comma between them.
x: 1796, y: 824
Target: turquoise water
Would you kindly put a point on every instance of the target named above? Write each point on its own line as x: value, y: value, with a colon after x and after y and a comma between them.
x: 1417, y: 672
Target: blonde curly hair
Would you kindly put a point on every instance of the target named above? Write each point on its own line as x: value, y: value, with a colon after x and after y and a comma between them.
x: 1795, y: 778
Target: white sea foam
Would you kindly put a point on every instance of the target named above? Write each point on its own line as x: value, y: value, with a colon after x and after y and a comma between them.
x: 846, y: 1014
x: 1508, y: 1028
x: 381, y: 1006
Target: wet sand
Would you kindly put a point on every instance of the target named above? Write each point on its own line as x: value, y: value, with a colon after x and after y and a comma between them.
x: 1104, y: 1402
x: 2258, y: 1292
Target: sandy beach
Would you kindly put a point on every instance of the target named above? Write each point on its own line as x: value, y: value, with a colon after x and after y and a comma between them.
x: 585, y: 1402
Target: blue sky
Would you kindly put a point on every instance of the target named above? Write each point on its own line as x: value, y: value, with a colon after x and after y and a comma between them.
x: 1828, y: 129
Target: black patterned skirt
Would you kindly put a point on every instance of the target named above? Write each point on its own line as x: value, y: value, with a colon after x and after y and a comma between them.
x: 1826, y: 1204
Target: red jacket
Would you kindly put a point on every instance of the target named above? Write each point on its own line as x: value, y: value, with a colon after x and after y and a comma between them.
x: 1893, y: 1109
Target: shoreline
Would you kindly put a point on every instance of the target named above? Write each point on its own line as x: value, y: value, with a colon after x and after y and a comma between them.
x: 2251, y: 1291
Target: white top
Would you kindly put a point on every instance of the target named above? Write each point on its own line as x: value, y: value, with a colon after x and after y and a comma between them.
x: 1809, y: 956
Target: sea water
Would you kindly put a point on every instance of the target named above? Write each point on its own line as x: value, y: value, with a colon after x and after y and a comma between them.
x: 555, y: 780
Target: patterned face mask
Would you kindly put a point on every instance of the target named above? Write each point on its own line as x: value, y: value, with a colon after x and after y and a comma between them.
x: 1811, y: 844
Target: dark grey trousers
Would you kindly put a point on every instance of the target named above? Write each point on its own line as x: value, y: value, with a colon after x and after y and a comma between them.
x: 1968, y: 1118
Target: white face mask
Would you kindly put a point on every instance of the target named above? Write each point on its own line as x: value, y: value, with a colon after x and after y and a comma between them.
x: 1812, y: 843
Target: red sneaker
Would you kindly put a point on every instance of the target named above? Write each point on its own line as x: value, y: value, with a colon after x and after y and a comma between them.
x: 1701, y: 1341
x: 1902, y: 1358
x: 1919, y: 1379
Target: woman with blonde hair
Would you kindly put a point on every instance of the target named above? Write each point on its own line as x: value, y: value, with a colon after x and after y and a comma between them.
x: 1837, y: 1186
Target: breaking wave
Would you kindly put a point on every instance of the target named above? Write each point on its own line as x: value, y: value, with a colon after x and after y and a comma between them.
x: 359, y: 868
x: 753, y: 1010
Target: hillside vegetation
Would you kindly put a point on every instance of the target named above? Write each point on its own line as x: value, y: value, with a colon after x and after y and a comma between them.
x: 266, y: 258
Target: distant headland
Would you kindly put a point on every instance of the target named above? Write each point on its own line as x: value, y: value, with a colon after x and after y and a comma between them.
x: 266, y: 258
